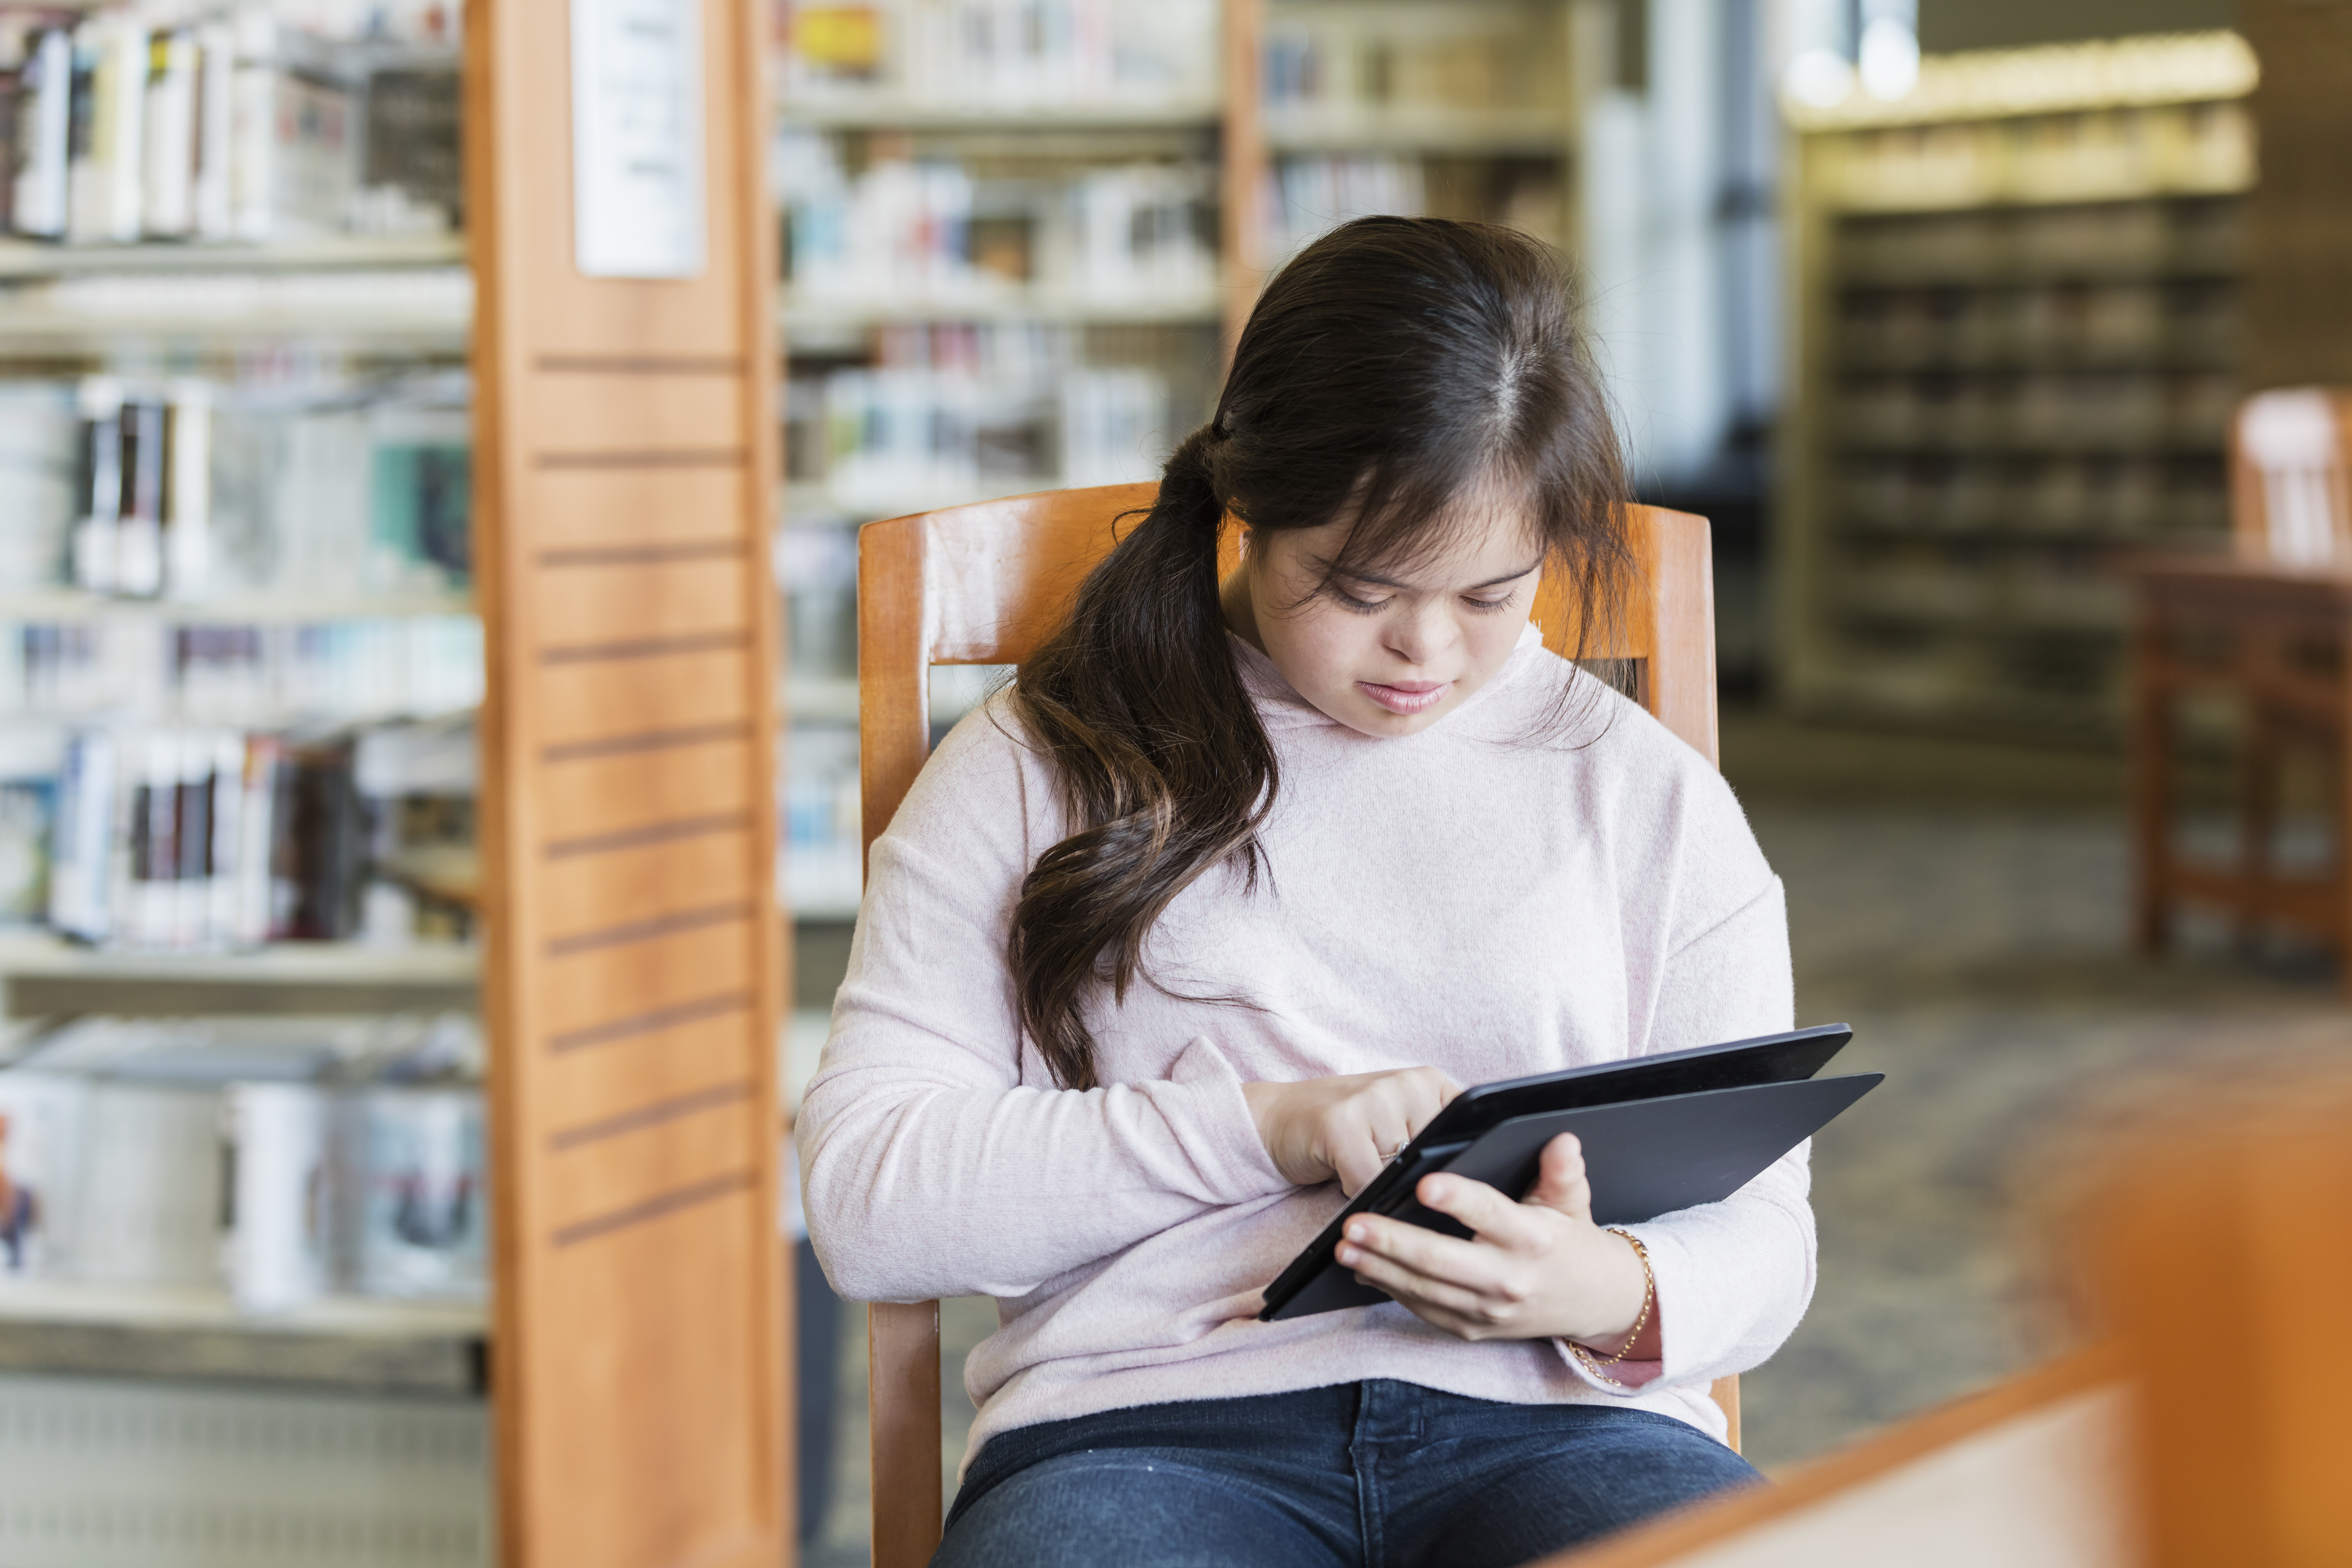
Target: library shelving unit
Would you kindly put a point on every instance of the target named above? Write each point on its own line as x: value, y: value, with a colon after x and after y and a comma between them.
x: 2015, y: 298
x: 1465, y: 110
x: 616, y: 621
x: 1010, y: 268
x: 114, y: 1390
x: 1009, y: 258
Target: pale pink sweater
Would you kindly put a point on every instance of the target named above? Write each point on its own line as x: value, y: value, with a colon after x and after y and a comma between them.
x: 1478, y: 897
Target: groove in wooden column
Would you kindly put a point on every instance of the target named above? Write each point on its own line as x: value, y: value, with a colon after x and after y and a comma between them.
x: 645, y: 554
x: 644, y: 647
x: 651, y: 832
x: 674, y: 458
x: 659, y: 1207
x: 648, y: 930
x: 638, y: 364
x: 649, y: 1023
x: 649, y: 741
x: 653, y: 1115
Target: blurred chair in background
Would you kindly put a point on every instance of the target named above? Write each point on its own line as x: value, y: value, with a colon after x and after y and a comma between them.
x: 2203, y: 1427
x: 2268, y: 625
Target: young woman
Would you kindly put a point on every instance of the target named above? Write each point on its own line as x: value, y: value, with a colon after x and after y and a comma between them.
x: 1182, y: 934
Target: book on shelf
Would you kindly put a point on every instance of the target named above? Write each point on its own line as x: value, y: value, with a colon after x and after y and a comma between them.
x: 39, y: 163
x: 110, y: 97
x: 28, y: 803
x: 1468, y: 62
x: 145, y: 480
x: 929, y: 231
x: 280, y: 1158
x: 1313, y: 194
x: 411, y: 180
x: 187, y: 489
x: 1002, y: 54
x: 185, y: 839
x: 296, y: 140
x: 224, y: 124
x: 173, y: 139
x: 954, y: 413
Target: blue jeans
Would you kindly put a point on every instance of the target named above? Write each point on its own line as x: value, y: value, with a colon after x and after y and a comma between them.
x: 1372, y: 1475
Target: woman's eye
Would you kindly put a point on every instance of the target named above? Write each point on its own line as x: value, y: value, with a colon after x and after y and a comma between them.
x: 1502, y: 604
x: 1363, y: 606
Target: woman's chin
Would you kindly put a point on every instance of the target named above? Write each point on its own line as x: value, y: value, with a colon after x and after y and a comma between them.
x: 1365, y: 717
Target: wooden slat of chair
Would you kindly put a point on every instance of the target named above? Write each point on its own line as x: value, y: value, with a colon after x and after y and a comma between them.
x: 985, y: 584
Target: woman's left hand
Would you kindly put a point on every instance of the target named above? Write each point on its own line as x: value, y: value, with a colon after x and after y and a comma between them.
x: 1536, y: 1268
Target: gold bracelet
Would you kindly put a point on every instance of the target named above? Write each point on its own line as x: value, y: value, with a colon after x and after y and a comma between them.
x: 1584, y: 1358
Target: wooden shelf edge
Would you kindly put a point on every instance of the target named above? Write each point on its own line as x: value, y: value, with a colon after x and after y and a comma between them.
x: 36, y: 954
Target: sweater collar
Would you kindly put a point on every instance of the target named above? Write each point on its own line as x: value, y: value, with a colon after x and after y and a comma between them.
x: 1280, y: 707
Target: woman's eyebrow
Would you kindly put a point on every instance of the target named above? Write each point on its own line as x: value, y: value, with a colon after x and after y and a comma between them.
x: 1327, y: 569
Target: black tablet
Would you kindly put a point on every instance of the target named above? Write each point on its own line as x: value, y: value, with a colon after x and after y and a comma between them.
x: 1770, y: 1060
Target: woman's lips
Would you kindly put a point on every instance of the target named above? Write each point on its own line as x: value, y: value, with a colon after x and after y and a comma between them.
x: 1406, y: 697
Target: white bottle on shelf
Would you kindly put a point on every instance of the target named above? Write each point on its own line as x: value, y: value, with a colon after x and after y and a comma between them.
x: 279, y: 1249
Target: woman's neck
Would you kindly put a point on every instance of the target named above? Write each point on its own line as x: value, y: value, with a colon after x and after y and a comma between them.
x: 1240, y: 607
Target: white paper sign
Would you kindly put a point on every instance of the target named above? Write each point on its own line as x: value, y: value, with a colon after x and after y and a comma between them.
x: 636, y: 138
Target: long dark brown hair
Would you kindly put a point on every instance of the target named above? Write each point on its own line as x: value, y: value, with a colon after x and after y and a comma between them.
x: 1392, y: 367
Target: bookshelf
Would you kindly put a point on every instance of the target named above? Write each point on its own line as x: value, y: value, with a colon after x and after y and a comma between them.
x: 2016, y: 295
x: 233, y: 426
x: 949, y: 272
x: 352, y: 1344
x: 1009, y: 265
x: 336, y: 494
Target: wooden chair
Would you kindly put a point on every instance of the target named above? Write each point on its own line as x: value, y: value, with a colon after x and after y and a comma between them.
x: 2268, y: 624
x: 984, y: 585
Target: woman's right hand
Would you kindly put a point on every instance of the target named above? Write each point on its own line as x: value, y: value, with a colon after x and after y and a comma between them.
x: 1345, y: 1127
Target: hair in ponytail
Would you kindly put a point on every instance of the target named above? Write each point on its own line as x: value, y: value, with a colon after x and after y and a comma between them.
x: 1392, y: 368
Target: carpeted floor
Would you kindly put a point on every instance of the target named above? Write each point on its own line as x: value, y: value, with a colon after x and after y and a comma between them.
x: 1963, y: 905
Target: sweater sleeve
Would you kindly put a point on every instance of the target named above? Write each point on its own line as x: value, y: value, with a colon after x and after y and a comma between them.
x: 929, y: 1166
x: 1733, y: 1277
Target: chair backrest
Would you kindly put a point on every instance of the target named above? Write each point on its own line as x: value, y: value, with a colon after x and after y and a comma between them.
x: 2291, y: 477
x: 985, y: 584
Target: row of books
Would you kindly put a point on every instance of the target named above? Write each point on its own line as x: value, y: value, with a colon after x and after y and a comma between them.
x: 823, y: 853
x: 2042, y: 410
x: 188, y: 490
x: 272, y: 675
x: 817, y: 564
x: 284, y: 1158
x: 1315, y: 193
x: 899, y: 440
x: 1007, y: 54
x: 210, y: 840
x: 1464, y: 57
x: 2073, y: 497
x: 2203, y: 236
x: 235, y: 126
x: 910, y: 232
x: 2051, y: 322
x: 2044, y: 593
x: 2189, y: 149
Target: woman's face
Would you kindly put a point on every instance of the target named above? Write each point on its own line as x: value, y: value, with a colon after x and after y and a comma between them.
x: 1393, y: 652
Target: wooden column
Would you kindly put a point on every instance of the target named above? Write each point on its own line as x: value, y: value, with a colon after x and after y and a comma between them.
x: 1243, y: 169
x: 624, y: 468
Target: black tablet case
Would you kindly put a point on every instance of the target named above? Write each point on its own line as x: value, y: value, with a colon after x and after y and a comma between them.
x: 1644, y: 1156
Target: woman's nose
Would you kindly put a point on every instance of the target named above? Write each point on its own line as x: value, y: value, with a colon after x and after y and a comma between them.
x: 1421, y: 633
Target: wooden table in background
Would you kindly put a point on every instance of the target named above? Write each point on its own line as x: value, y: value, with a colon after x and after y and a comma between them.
x: 2273, y: 639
